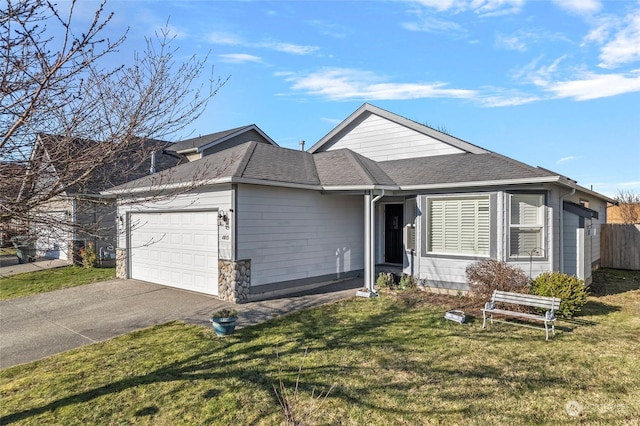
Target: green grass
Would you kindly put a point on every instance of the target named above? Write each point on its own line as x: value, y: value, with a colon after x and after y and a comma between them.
x: 7, y: 251
x: 393, y: 360
x: 51, y: 279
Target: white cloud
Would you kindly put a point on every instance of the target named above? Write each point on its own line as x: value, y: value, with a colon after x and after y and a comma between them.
x: 594, y: 86
x: 238, y: 58
x: 229, y: 39
x: 496, y: 7
x: 505, y: 100
x: 582, y: 7
x: 334, y: 121
x: 224, y: 38
x: 295, y: 49
x: 625, y: 47
x: 480, y: 7
x: 565, y: 159
x: 511, y: 42
x: 330, y: 29
x: 346, y: 84
x: 433, y: 25
x: 171, y: 31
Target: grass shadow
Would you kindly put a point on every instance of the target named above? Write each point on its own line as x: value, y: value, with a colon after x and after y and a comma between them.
x: 607, y: 282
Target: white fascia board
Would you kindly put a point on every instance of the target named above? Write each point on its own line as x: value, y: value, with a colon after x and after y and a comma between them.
x: 359, y: 187
x: 250, y: 181
x: 546, y: 179
x: 187, y: 151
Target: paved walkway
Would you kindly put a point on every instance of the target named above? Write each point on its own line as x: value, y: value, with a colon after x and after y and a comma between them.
x: 37, y: 326
x: 9, y: 265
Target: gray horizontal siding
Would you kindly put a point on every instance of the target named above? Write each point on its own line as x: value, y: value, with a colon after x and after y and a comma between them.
x: 292, y: 234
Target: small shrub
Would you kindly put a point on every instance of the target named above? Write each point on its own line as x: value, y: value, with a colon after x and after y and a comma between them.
x: 406, y: 283
x: 566, y: 287
x: 88, y: 256
x: 385, y: 280
x: 488, y: 275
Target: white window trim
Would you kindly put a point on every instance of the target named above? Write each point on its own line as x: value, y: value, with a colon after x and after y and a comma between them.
x: 539, y: 252
x: 411, y: 217
x: 476, y: 254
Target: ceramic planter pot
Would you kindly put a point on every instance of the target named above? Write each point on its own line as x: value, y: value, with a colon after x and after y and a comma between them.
x: 224, y: 326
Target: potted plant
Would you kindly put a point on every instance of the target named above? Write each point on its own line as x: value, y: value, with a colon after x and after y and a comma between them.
x: 224, y: 321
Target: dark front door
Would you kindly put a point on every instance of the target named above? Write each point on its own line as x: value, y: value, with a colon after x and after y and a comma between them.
x: 393, y: 222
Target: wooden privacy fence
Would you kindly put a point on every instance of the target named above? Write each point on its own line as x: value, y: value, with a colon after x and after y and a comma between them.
x: 620, y: 246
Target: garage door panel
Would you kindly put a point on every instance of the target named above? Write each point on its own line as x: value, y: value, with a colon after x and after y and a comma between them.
x: 178, y: 249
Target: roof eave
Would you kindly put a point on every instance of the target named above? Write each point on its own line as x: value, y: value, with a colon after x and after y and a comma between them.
x: 480, y: 183
x: 573, y: 185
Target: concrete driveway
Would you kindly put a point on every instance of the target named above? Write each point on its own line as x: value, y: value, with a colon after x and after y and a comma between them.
x: 37, y: 326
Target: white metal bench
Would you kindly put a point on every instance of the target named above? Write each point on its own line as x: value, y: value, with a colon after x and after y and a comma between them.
x: 544, y: 302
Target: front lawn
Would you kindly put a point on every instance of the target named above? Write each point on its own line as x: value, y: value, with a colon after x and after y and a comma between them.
x: 391, y: 360
x: 51, y: 279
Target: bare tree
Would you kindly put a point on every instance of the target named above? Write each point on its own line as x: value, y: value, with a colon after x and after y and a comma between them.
x: 71, y: 126
x: 628, y: 206
x: 67, y: 120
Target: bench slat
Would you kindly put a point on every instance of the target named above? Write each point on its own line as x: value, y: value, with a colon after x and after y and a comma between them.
x: 516, y: 314
x: 526, y: 299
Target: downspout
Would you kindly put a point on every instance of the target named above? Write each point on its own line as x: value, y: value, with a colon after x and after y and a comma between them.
x: 562, y: 197
x: 372, y: 242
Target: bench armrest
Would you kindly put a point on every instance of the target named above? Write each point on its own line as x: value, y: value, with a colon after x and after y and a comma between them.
x: 489, y: 306
x: 550, y: 315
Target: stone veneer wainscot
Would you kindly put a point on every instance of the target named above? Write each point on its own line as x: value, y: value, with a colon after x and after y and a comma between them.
x: 121, y: 263
x: 234, y: 280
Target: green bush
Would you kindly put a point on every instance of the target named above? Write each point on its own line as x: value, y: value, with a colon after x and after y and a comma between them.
x: 406, y: 283
x: 385, y: 280
x: 569, y: 289
x: 488, y: 275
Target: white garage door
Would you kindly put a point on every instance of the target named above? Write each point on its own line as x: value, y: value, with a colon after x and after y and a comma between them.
x: 53, y: 236
x: 176, y: 249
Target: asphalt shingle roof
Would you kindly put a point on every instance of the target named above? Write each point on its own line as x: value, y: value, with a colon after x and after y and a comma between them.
x: 454, y: 168
x: 342, y: 167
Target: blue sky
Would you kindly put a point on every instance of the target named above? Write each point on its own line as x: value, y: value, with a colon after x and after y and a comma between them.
x: 550, y: 83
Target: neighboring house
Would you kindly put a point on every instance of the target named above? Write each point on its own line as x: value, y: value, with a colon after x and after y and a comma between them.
x: 80, y: 214
x: 11, y: 175
x: 196, y: 148
x: 378, y: 189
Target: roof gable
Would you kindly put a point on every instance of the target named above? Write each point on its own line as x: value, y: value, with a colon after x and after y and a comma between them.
x: 381, y: 136
x: 214, y: 142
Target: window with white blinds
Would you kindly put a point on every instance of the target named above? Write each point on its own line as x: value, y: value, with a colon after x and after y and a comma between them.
x: 526, y: 227
x: 459, y: 226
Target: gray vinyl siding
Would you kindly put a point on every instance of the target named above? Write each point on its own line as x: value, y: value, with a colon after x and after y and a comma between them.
x: 594, y: 239
x: 290, y: 234
x: 380, y: 139
x: 570, y: 258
